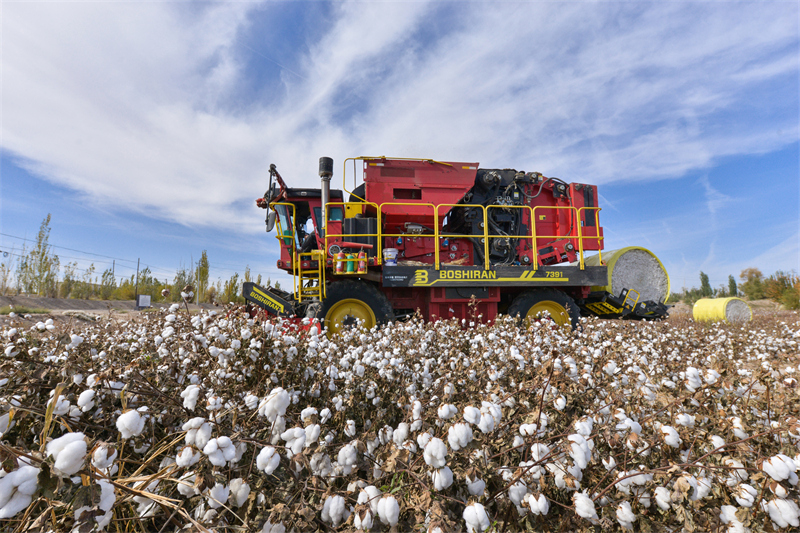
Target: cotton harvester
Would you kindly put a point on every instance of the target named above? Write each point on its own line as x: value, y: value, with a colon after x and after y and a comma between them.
x: 450, y: 240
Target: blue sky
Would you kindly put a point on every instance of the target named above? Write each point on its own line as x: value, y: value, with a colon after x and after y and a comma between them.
x: 147, y: 129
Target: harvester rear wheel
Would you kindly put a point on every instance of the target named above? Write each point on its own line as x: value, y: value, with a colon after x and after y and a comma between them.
x: 530, y: 304
x: 350, y: 301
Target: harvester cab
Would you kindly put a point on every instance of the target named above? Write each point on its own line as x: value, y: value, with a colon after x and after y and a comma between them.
x: 449, y: 240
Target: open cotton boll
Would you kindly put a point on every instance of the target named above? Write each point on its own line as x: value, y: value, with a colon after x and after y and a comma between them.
x: 86, y: 400
x: 347, y: 458
x: 538, y: 505
x: 17, y: 489
x: 239, y: 491
x: 780, y: 467
x: 268, y: 460
x: 693, y: 379
x: 334, y: 510
x: 579, y: 450
x: 370, y: 495
x: 217, y: 495
x: 312, y: 434
x: 350, y: 428
x: 220, y: 451
x: 388, y: 510
x: 275, y: 404
x: 400, y: 434
x: 103, y: 457
x: 106, y: 503
x: 69, y: 452
x: 459, y: 436
x: 435, y: 453
x: 745, y: 495
x: 130, y: 424
x: 295, y: 440
x: 663, y: 498
x: 560, y: 403
x: 187, y: 457
x: 472, y: 415
x: 269, y: 527
x: 671, y: 437
x: 476, y: 518
x: 685, y: 420
x: 625, y: 515
x: 198, y: 432
x: 783, y: 513
x: 442, y: 478
x: 517, y: 493
x: 584, y: 506
x: 475, y: 486
x: 447, y: 411
x: 186, y: 485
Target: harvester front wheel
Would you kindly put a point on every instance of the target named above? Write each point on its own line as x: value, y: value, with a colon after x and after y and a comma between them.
x: 352, y: 301
x: 531, y: 304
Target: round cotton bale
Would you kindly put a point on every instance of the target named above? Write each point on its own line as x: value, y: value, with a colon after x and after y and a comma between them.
x: 633, y: 268
x: 733, y: 310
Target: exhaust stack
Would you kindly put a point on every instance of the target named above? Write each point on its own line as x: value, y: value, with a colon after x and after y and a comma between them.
x: 325, y: 173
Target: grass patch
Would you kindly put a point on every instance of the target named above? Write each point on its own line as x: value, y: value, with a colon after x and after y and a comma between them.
x: 22, y: 310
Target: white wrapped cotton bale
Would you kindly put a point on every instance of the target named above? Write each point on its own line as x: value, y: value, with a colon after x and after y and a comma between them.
x: 633, y: 268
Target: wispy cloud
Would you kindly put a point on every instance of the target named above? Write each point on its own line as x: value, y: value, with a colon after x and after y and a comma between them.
x: 138, y: 104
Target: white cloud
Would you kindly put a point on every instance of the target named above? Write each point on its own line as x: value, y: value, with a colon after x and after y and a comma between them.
x: 135, y: 104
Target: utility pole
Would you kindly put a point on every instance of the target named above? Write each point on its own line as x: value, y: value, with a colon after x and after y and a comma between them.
x: 113, y: 268
x: 137, y: 281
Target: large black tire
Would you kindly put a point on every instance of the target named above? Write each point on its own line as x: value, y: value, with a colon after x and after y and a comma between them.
x: 350, y: 299
x: 562, y: 308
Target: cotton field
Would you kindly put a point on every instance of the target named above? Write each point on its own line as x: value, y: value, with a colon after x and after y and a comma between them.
x: 218, y: 422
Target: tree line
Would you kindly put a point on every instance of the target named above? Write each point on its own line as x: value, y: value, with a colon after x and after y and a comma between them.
x: 39, y: 272
x: 782, y: 287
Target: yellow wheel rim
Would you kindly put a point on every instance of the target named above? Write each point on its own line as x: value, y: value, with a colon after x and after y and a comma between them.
x: 344, y: 313
x: 557, y: 312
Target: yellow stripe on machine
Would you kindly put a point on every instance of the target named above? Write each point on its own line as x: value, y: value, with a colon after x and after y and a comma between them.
x: 266, y: 300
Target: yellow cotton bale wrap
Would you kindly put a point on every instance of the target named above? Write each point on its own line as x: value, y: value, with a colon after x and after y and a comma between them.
x: 634, y: 268
x: 733, y: 310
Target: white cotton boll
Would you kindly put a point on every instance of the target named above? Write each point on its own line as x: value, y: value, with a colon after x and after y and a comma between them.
x: 671, y: 437
x: 307, y: 414
x: 86, y: 400
x: 370, y: 495
x: 442, y: 478
x: 780, y: 467
x: 783, y: 513
x: 447, y: 411
x: 239, y: 491
x: 745, y: 495
x: 538, y: 506
x: 334, y: 511
x: 476, y: 518
x: 187, y: 457
x: 325, y: 415
x: 103, y: 457
x: 685, y: 420
x: 251, y: 401
x: 350, y: 428
x: 584, y: 506
x: 269, y: 527
x: 517, y: 493
x: 275, y: 404
x: 17, y: 489
x: 716, y: 442
x: 486, y: 423
x: 347, y: 458
x: 663, y: 498
x: 312, y: 434
x: 68, y: 451
x: 560, y: 403
x: 459, y: 436
x: 423, y: 439
x: 693, y: 380
x: 130, y: 424
x: 61, y: 407
x: 217, y: 495
x: 472, y: 415
x: 609, y: 463
x: 295, y: 440
x: 625, y: 515
x: 475, y: 486
x: 584, y: 426
x: 388, y: 510
x: 400, y: 434
x: 186, y: 485
x: 435, y: 453
x: 363, y: 520
x: 579, y: 450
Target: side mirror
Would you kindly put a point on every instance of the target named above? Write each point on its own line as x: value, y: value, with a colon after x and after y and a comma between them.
x: 271, y: 220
